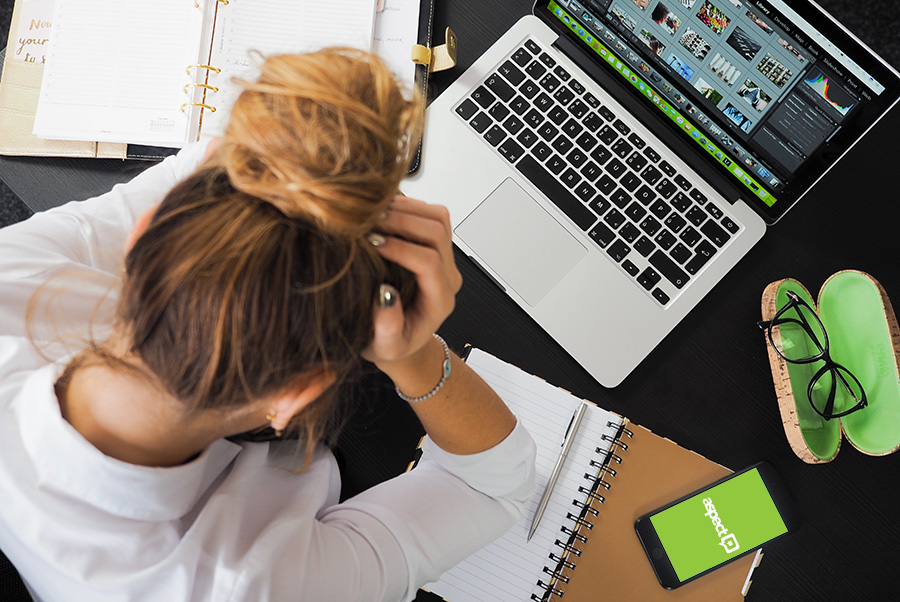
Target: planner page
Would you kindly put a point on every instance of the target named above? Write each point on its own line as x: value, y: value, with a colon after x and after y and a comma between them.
x: 510, y: 568
x: 249, y: 29
x: 116, y: 71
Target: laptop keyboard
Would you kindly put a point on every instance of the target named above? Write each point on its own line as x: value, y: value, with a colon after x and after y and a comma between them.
x: 646, y: 216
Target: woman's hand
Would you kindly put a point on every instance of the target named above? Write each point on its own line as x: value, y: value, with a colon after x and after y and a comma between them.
x: 418, y: 238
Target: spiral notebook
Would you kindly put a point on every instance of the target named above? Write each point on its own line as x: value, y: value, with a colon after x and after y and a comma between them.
x: 585, y: 547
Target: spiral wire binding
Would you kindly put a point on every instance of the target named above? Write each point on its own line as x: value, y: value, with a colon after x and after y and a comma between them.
x: 570, y: 547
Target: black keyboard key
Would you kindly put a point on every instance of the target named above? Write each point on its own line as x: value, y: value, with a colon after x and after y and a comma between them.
x: 689, y: 236
x: 521, y: 57
x: 629, y: 232
x: 682, y: 182
x: 591, y: 100
x: 529, y: 89
x: 576, y: 158
x: 481, y: 122
x: 563, y: 96
x: 498, y: 86
x: 547, y: 183
x: 667, y: 168
x: 466, y: 109
x: 620, y: 125
x: 511, y: 150
x: 637, y: 141
x: 660, y: 209
x: 602, y: 235
x: 635, y: 211
x: 645, y: 195
x: 527, y: 138
x: 730, y: 225
x: 629, y: 267
x: 547, y: 59
x: 606, y: 113
x: 681, y: 202
x: 600, y: 205
x: 606, y: 184
x: 562, y: 144
x: 519, y: 105
x: 555, y: 164
x: 483, y: 97
x: 660, y: 296
x: 542, y: 151
x: 651, y: 175
x: 513, y: 125
x: 665, y: 239
x: 543, y: 102
x: 592, y: 122
x: 714, y: 210
x: 557, y: 115
x: 577, y: 87
x: 549, y: 82
x: 650, y: 225
x: 636, y: 161
x: 698, y: 196
x: 614, y: 218
x: 562, y: 73
x: 696, y: 215
x: 651, y: 154
x: 620, y: 198
x: 591, y: 171
x: 572, y: 128
x: 512, y: 73
x: 622, y: 148
x: 495, y: 135
x: 586, y: 142
x: 607, y: 135
x: 534, y: 118
x: 668, y: 268
x: 578, y: 109
x: 644, y: 246
x: 532, y: 46
x: 648, y: 278
x: 715, y: 233
x: 585, y: 192
x: 675, y: 223
x: 703, y: 253
x: 570, y: 178
x: 630, y: 181
x: 616, y: 168
x: 680, y: 253
x: 547, y: 131
x: 601, y: 155
x: 535, y: 70
x: 618, y: 250
x: 666, y: 188
x: 498, y: 111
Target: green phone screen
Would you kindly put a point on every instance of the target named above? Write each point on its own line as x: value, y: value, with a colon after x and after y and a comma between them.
x: 715, y: 525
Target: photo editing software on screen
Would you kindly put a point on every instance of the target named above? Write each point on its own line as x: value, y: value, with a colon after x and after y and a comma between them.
x: 738, y: 77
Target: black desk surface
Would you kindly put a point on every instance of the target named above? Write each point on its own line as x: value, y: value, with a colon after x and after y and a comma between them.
x: 708, y: 385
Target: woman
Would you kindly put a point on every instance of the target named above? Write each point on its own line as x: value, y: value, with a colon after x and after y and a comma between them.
x: 258, y: 272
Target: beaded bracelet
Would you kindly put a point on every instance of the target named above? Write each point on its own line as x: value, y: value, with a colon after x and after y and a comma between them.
x: 445, y: 374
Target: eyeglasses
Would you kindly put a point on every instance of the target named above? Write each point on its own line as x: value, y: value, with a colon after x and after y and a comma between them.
x: 797, y: 334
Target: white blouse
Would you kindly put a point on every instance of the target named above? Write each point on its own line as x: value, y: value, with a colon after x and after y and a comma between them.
x: 236, y: 523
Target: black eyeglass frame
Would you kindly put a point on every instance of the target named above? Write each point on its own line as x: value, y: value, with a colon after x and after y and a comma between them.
x: 794, y: 301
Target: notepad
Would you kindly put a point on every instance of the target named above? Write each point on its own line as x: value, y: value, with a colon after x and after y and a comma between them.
x: 160, y: 72
x: 585, y: 547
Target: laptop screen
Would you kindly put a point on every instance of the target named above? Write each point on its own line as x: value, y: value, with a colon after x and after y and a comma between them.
x: 769, y: 96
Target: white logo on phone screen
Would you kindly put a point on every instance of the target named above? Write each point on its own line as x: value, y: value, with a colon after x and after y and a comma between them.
x: 727, y: 540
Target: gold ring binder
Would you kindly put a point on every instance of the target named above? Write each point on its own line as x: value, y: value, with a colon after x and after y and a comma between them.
x: 206, y: 86
x: 198, y: 104
x: 210, y: 67
x: 197, y: 2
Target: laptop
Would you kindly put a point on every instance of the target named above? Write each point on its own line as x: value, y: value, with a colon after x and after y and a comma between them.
x: 606, y: 162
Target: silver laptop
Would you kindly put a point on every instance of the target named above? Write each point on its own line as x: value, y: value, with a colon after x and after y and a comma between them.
x: 606, y: 162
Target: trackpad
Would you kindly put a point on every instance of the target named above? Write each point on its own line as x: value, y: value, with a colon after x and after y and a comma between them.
x: 516, y: 237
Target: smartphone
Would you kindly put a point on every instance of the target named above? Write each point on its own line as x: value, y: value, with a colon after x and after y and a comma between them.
x: 717, y: 524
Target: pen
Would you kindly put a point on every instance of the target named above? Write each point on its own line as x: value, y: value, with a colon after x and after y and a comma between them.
x: 566, y: 445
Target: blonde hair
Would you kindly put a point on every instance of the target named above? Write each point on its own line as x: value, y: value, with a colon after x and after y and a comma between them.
x: 255, y: 270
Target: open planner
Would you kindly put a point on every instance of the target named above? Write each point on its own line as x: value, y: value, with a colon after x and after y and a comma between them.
x: 585, y: 547
x: 159, y: 73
